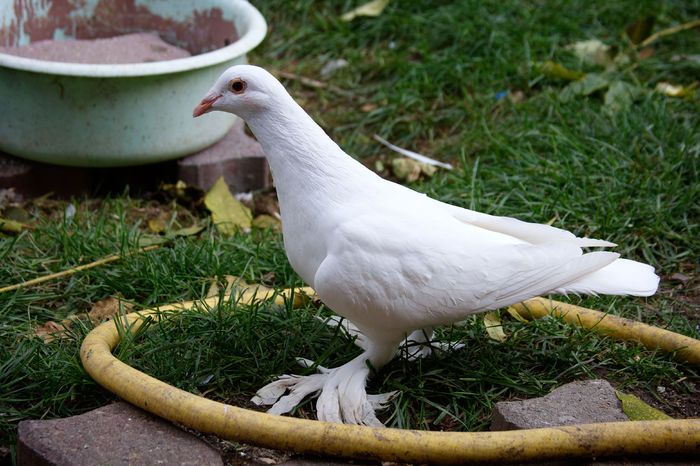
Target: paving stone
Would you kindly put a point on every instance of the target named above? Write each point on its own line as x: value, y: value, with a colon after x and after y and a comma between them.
x: 31, y: 179
x: 582, y: 402
x: 116, y: 434
x: 237, y: 157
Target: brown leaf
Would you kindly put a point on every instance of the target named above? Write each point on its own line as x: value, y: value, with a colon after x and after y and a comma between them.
x: 108, y: 307
x: 645, y: 53
x: 50, y: 331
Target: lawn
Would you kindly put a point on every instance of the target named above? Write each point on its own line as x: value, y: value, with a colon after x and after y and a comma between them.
x: 462, y: 82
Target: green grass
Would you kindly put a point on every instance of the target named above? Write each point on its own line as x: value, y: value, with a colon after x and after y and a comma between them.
x: 431, y: 71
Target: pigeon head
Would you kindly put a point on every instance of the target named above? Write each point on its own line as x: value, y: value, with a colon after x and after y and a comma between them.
x: 242, y: 90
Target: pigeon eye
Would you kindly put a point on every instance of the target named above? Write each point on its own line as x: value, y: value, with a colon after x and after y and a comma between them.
x: 237, y: 86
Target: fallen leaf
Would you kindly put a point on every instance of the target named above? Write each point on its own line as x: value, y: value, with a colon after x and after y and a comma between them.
x: 516, y: 97
x: 591, y: 82
x: 160, y: 223
x: 516, y: 315
x: 637, y: 410
x: 406, y: 169
x: 645, y: 53
x: 620, y: 95
x: 373, y: 8
x: 672, y: 90
x: 10, y: 226
x: 593, y: 52
x: 228, y: 214
x: 108, y: 307
x: 187, y: 231
x: 639, y: 30
x: 267, y: 221
x: 555, y: 70
x: 369, y: 107
x: 50, y: 331
x: 411, y: 154
x: 493, y: 327
x: 184, y: 192
x: 150, y: 240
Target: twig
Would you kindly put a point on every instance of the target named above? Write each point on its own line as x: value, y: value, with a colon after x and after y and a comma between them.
x: 62, y: 273
x: 668, y: 32
x: 312, y: 82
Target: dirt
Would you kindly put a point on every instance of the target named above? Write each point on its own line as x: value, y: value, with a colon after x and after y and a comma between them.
x: 128, y: 48
x: 201, y: 31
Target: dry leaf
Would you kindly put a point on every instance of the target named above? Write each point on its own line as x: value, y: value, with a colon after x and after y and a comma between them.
x: 555, y: 70
x: 406, y: 169
x: 267, y: 221
x: 10, y: 226
x: 620, y: 95
x: 373, y: 8
x: 593, y: 52
x: 228, y: 214
x: 637, y: 410
x: 108, y: 307
x: 645, y: 53
x: 184, y: 192
x: 672, y: 90
x: 160, y: 223
x: 516, y: 315
x: 493, y: 327
x: 50, y: 331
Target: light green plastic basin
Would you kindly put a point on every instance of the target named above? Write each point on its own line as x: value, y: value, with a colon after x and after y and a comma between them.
x: 101, y: 115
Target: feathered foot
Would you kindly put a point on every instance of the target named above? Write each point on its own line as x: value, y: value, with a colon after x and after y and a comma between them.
x: 419, y: 345
x: 342, y: 397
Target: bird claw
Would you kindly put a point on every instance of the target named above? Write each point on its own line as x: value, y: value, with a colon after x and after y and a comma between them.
x: 342, y: 397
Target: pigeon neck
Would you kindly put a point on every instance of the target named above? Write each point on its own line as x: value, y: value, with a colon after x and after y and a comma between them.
x: 301, y: 155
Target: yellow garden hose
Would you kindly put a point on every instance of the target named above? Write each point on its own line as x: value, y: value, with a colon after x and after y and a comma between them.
x: 386, y: 444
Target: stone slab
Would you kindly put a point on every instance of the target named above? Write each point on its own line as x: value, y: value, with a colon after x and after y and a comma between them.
x: 116, y: 434
x: 237, y: 157
x: 581, y: 402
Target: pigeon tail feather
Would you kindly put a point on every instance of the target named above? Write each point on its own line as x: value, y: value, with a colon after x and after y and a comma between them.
x: 621, y: 277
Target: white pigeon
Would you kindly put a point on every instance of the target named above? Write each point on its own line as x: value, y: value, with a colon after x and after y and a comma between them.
x: 394, y: 262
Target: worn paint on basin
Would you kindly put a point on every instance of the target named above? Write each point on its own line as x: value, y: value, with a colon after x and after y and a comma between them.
x: 124, y: 114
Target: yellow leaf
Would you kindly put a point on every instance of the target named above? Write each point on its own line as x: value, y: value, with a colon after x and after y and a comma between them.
x: 516, y: 315
x: 227, y: 213
x: 267, y: 221
x: 10, y: 226
x: 493, y: 327
x: 373, y: 8
x: 160, y: 223
x: 555, y: 70
x: 637, y: 410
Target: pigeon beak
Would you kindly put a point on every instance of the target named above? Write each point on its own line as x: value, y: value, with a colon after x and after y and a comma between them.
x: 205, y: 105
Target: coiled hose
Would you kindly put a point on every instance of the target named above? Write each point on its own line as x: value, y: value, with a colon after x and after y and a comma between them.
x: 386, y: 444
